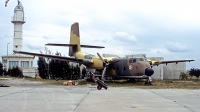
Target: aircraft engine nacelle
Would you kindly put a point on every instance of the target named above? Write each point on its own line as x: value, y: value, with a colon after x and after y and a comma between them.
x: 97, y: 63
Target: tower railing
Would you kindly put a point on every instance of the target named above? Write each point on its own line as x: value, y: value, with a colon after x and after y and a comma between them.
x: 15, y: 20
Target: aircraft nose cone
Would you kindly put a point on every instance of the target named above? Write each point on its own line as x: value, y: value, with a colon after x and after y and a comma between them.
x: 149, y: 71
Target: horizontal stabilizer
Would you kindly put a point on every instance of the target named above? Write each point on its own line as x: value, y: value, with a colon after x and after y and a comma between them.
x: 85, y: 46
x: 51, y: 44
x: 89, y: 46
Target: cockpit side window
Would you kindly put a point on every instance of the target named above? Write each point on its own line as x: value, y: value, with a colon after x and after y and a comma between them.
x: 141, y: 59
x: 134, y: 60
x: 131, y: 60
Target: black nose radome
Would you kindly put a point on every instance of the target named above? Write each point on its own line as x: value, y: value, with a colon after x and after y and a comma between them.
x: 149, y: 71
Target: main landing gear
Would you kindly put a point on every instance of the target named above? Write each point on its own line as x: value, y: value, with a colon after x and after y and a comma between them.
x: 100, y: 83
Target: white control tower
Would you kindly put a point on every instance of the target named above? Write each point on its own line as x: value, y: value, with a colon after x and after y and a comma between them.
x: 25, y: 62
x: 18, y: 20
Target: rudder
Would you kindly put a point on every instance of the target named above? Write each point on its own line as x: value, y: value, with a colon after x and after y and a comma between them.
x: 74, y: 39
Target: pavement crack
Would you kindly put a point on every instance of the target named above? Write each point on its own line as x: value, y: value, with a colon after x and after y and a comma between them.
x: 81, y: 100
x: 173, y: 101
x: 15, y: 92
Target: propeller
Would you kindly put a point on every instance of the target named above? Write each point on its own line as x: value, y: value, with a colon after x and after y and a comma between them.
x: 106, y: 65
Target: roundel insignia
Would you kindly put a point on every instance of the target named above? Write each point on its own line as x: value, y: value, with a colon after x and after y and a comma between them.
x: 130, y: 67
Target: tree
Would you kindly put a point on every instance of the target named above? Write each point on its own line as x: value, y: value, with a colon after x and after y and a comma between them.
x: 1, y: 69
x: 197, y: 74
x: 58, y: 69
x: 65, y: 69
x: 42, y: 68
x: 83, y: 73
x: 76, y: 72
x: 194, y: 72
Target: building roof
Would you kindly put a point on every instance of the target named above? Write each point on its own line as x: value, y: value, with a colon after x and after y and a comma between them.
x: 17, y: 56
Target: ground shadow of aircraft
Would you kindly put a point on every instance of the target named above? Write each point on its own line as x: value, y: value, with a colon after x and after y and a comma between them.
x: 135, y: 68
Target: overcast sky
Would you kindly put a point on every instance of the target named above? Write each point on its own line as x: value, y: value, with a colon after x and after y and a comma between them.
x: 157, y: 28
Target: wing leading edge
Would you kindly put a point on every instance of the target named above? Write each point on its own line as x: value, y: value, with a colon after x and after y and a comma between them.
x: 61, y: 58
x: 172, y: 61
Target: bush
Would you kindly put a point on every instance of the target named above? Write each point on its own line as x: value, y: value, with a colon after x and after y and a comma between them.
x: 183, y: 76
x: 16, y: 72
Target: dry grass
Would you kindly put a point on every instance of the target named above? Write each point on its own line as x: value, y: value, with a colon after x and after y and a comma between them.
x: 156, y: 84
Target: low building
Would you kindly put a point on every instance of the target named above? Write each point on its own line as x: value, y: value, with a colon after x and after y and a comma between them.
x: 25, y: 62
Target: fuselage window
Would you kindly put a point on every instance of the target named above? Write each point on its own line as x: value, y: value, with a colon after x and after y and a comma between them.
x: 141, y: 59
x: 134, y: 60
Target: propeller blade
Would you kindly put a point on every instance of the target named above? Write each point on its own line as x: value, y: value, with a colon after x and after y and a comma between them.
x: 100, y: 57
x: 104, y: 71
x: 144, y: 56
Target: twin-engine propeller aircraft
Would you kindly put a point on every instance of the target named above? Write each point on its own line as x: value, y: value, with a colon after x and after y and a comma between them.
x: 106, y: 66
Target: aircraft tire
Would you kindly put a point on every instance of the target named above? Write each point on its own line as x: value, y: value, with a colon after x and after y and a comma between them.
x: 147, y: 83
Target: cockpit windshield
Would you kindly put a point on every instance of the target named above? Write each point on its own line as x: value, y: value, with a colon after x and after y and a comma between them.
x: 89, y: 56
x: 133, y: 60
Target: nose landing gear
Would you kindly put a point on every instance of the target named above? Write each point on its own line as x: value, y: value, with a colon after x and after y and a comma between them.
x: 149, y: 80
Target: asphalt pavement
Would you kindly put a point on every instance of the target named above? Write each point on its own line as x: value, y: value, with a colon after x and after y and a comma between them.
x: 26, y: 96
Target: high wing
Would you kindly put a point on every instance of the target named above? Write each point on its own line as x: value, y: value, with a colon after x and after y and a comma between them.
x: 61, y: 58
x: 126, y: 77
x: 171, y: 61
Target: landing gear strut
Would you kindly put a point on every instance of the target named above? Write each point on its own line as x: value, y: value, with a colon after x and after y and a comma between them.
x: 99, y: 82
x: 149, y: 80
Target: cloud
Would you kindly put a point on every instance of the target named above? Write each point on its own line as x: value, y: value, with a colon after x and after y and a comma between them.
x: 176, y: 47
x: 122, y: 38
x: 125, y: 36
x: 46, y: 37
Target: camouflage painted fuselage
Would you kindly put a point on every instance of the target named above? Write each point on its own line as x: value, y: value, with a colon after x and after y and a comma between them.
x: 122, y: 66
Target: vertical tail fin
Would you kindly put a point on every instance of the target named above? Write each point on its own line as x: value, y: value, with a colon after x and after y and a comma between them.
x: 74, y: 39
